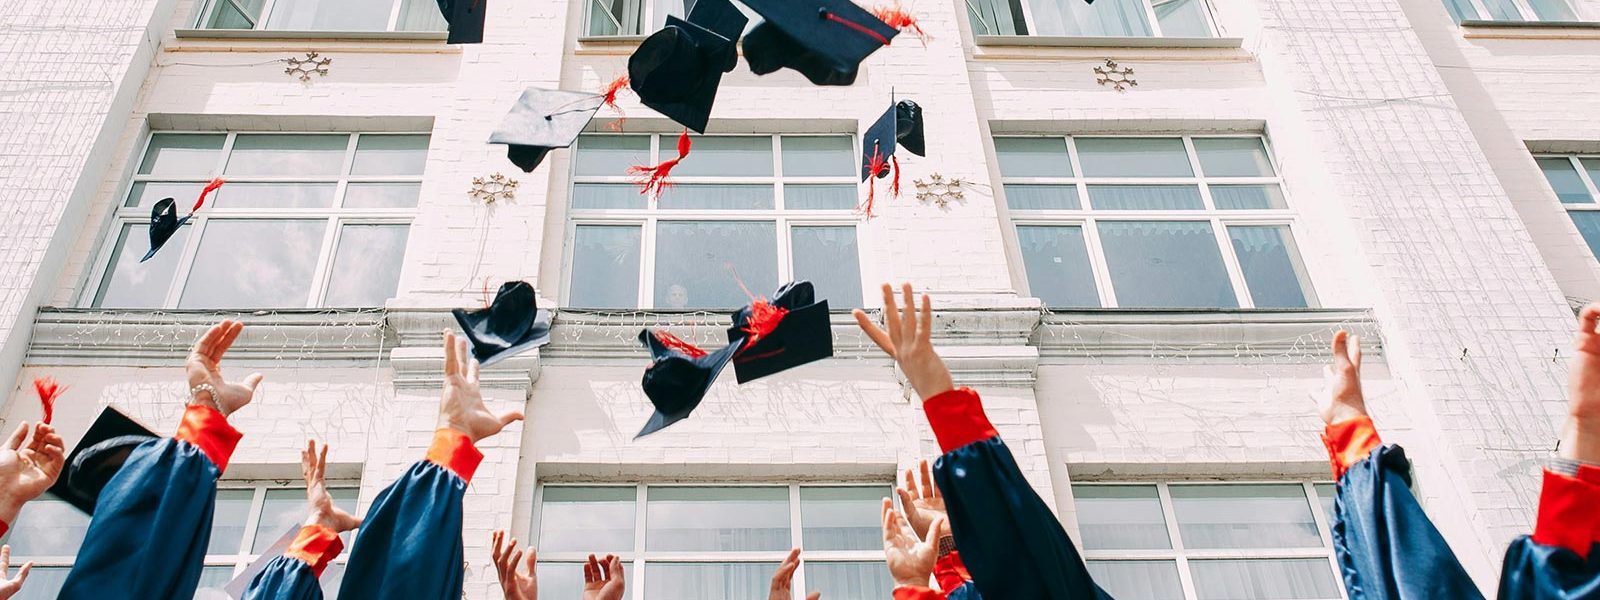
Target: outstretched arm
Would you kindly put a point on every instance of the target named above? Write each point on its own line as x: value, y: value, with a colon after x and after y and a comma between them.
x: 293, y: 576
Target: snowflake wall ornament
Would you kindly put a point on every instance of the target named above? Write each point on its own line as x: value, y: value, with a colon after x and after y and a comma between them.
x: 304, y: 67
x: 495, y: 188
x: 940, y: 191
x: 1115, y: 76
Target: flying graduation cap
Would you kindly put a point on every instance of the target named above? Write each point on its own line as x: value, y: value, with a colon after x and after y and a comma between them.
x: 465, y: 18
x: 901, y: 125
x: 544, y: 120
x: 509, y: 325
x: 679, y: 376
x: 677, y: 69
x: 790, y: 331
x: 164, y: 221
x: 98, y: 456
x: 825, y: 40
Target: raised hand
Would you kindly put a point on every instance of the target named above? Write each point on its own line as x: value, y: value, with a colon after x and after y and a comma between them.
x: 517, y: 585
x: 783, y: 579
x: 1580, y: 439
x: 314, y: 467
x: 8, y: 586
x: 1342, y: 400
x: 922, y: 503
x: 462, y: 407
x: 28, y: 468
x: 910, y: 557
x: 204, y: 367
x: 602, y: 579
x: 909, y: 342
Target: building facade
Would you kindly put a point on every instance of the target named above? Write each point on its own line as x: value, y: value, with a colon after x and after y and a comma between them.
x: 1140, y: 222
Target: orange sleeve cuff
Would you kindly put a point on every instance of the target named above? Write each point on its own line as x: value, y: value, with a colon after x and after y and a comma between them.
x: 950, y: 572
x: 916, y: 592
x: 209, y: 431
x: 4, y: 528
x: 453, y: 450
x: 957, y: 418
x: 316, y: 546
x: 1567, y: 515
x: 1349, y: 442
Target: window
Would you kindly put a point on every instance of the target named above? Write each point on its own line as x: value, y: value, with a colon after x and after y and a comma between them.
x: 305, y: 220
x: 248, y: 520
x: 715, y: 542
x: 1180, y: 541
x: 1152, y: 222
x: 1516, y: 10
x: 1574, y: 179
x: 754, y: 211
x: 323, y: 15
x: 1114, y: 18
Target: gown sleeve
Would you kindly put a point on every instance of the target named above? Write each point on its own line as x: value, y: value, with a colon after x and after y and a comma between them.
x: 152, y: 521
x: 293, y: 576
x: 1386, y: 546
x: 1009, y: 539
x: 1559, y: 560
x: 409, y: 545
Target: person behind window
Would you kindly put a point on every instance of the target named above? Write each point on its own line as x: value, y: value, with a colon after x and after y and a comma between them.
x: 677, y: 296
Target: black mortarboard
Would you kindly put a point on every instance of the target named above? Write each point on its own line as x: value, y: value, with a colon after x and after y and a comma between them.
x: 544, y: 120
x: 466, y: 20
x: 164, y: 224
x: 678, y: 377
x: 803, y: 334
x: 877, y: 145
x: 825, y: 40
x: 511, y: 324
x: 677, y: 69
x: 908, y: 127
x: 98, y: 456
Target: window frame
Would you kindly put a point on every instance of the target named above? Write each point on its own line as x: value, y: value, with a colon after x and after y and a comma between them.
x: 650, y: 214
x: 1524, y: 10
x: 648, y: 10
x: 209, y: 7
x: 335, y: 217
x: 1593, y: 187
x: 1087, y: 217
x: 1028, y: 21
x: 1181, y: 556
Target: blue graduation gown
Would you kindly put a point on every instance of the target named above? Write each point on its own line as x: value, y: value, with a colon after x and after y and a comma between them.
x: 1561, y: 560
x: 293, y: 575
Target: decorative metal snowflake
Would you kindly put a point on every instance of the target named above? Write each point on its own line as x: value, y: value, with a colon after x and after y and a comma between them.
x: 496, y: 188
x: 304, y: 67
x: 939, y: 190
x: 1120, y: 78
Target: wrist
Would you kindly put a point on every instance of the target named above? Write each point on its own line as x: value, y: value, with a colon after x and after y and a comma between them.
x: 205, y: 394
x: 10, y: 507
x: 910, y: 582
x: 1580, y: 439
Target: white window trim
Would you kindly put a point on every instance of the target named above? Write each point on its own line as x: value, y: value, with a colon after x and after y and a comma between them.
x: 1149, y: 12
x: 648, y: 215
x: 210, y: 6
x: 336, y: 215
x: 1219, y: 219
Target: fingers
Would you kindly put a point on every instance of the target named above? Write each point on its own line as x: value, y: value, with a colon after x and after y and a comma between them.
x: 306, y: 464
x: 5, y: 560
x: 514, y: 558
x: 208, y: 340
x: 472, y: 370
x: 450, y: 363
x: 510, y: 417
x: 1355, y: 350
x: 496, y: 540
x: 532, y: 562
x: 786, y: 569
x: 874, y: 333
x: 891, y: 315
x: 462, y: 356
x: 888, y: 528
x: 322, y: 464
x: 929, y: 490
x: 927, y: 319
x: 1588, y: 317
x: 226, y: 341
x: 908, y: 315
x: 614, y: 568
x: 22, y: 574
x: 909, y: 483
x: 591, y: 570
x: 1340, y: 346
x: 252, y: 380
x: 18, y: 436
x: 940, y: 524
x: 813, y: 596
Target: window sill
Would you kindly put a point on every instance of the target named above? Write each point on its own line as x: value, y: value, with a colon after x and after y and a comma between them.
x: 1058, y: 41
x: 255, y: 34
x: 142, y: 338
x: 1281, y: 336
x: 1531, y: 30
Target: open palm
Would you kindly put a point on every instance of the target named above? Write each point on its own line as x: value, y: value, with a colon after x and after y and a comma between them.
x: 1343, y: 400
x: 910, y: 558
x: 922, y: 502
x: 602, y: 579
x: 28, y: 468
x: 516, y: 584
x: 205, y: 367
x: 314, y: 467
x: 462, y: 407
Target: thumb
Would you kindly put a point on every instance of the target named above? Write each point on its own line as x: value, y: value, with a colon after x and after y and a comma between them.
x: 939, y: 525
x: 510, y: 417
x: 253, y: 380
x: 813, y: 595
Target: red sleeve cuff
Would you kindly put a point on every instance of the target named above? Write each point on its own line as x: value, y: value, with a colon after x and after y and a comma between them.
x: 950, y: 572
x: 916, y: 592
x: 209, y: 431
x: 316, y: 546
x: 4, y: 528
x: 1349, y: 442
x: 957, y: 418
x: 453, y: 450
x: 1567, y: 515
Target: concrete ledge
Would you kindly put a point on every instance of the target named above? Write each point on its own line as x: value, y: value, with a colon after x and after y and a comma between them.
x: 1061, y: 41
x: 163, y: 338
x: 1531, y: 30
x: 1219, y: 336
x: 259, y: 34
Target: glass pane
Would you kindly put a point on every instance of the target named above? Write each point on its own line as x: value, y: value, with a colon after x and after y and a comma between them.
x: 1592, y: 167
x: 1553, y: 10
x: 1182, y: 18
x: 1244, y: 516
x: 1564, y: 179
x: 1041, y: 197
x: 699, y: 264
x: 608, y: 196
x: 1288, y: 579
x: 381, y: 195
x: 44, y: 583
x: 1461, y: 10
x: 1133, y: 157
x: 605, y: 267
x: 226, y: 14
x: 1145, y: 197
x: 818, y: 156
x: 828, y: 258
x: 212, y: 579
x: 1588, y: 223
x: 330, y: 15
x: 586, y: 519
x: 615, y: 17
x: 147, y: 194
x: 1111, y: 18
x: 611, y: 155
x: 366, y: 267
x: 708, y: 581
x: 1137, y: 579
x: 996, y: 17
x: 134, y: 284
x: 849, y: 580
x: 565, y: 580
x: 717, y: 197
x: 1271, y: 265
x: 228, y: 520
x: 390, y: 155
x: 819, y: 197
x: 279, y: 154
x: 283, y: 510
x: 1502, y: 10
x: 254, y: 264
x: 181, y: 155
x: 842, y: 518
x: 418, y: 15
x: 1157, y: 264
x: 332, y: 576
x: 1057, y: 264
x: 723, y: 156
x: 1326, y: 492
x: 1121, y: 517
x: 1032, y: 157
x: 1248, y: 197
x: 46, y: 527
x: 274, y: 195
x: 1233, y: 157
x: 717, y: 519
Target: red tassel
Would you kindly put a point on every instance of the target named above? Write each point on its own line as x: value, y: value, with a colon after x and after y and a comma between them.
x: 876, y: 166
x: 894, y: 183
x: 899, y: 18
x: 674, y: 342
x: 764, y: 317
x: 48, y: 390
x: 610, y: 94
x: 653, y: 180
x: 210, y: 187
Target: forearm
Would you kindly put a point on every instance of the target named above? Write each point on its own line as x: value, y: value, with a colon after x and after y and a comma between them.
x: 1580, y: 441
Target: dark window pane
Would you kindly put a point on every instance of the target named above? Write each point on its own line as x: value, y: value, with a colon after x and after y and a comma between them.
x: 1166, y: 264
x: 1057, y: 264
x: 182, y: 155
x: 1248, y: 197
x: 1233, y: 157
x: 699, y: 264
x: 704, y: 196
x: 1133, y: 157
x: 366, y: 266
x: 605, y: 267
x: 1271, y: 265
x: 1041, y: 197
x: 1564, y: 178
x: 1145, y: 197
x: 1588, y: 223
x: 254, y: 264
x: 819, y: 197
x: 148, y: 193
x: 827, y: 257
x: 133, y: 284
x: 1033, y: 157
x: 610, y: 155
x: 1326, y: 492
x: 282, y: 511
x: 818, y: 156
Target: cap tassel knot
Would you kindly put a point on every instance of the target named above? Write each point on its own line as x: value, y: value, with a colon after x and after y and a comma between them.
x: 876, y: 167
x: 676, y: 343
x: 898, y: 17
x: 610, y: 95
x: 764, y: 317
x: 653, y: 180
x: 210, y: 187
x: 48, y: 391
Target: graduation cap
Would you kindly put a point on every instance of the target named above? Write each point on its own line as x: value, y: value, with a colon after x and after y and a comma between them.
x: 825, y: 40
x: 677, y: 69
x: 98, y: 456
x: 164, y: 221
x: 544, y: 120
x: 903, y: 121
x: 466, y: 20
x: 511, y: 324
x: 790, y: 331
x: 908, y: 127
x: 678, y: 377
